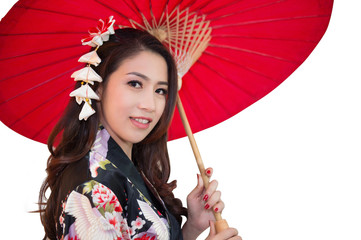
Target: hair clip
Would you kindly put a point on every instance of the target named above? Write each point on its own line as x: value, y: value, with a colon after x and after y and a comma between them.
x: 87, y: 75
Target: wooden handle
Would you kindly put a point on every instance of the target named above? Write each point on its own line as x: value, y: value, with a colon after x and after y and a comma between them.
x: 221, y: 223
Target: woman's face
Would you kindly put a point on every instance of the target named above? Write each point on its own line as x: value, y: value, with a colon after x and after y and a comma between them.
x: 134, y: 97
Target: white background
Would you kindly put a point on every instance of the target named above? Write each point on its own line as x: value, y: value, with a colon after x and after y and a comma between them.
x: 288, y: 166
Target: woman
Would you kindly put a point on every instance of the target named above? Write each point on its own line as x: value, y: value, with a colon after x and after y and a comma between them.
x: 109, y: 175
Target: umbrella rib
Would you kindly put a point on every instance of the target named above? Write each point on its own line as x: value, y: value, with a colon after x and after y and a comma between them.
x: 113, y: 10
x: 229, y: 80
x: 37, y: 33
x: 37, y: 86
x: 252, y: 52
x: 137, y: 8
x: 204, y: 4
x: 269, y: 21
x: 243, y: 10
x: 208, y: 92
x: 40, y: 105
x: 40, y: 67
x: 195, y: 107
x: 264, y: 38
x: 46, y: 125
x: 188, y: 4
x: 56, y: 12
x: 239, y: 65
x: 38, y: 52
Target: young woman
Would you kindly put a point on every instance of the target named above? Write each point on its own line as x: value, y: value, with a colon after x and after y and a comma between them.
x: 108, y: 175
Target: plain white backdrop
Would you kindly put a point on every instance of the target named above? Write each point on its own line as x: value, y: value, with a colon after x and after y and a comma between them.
x: 288, y: 166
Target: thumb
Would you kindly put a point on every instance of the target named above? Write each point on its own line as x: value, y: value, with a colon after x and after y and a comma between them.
x: 198, y: 189
x: 212, y: 229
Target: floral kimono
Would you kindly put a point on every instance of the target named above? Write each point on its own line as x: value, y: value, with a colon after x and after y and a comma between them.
x: 115, y: 203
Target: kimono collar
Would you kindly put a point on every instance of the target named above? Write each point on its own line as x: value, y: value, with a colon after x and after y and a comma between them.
x: 105, y: 148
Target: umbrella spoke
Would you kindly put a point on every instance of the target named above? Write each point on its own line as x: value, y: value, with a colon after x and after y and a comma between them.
x: 252, y: 52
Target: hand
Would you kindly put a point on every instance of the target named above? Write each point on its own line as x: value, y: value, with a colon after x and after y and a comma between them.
x: 200, y: 203
x: 229, y: 233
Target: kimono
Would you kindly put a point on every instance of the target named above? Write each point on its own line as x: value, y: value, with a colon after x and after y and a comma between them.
x: 118, y: 202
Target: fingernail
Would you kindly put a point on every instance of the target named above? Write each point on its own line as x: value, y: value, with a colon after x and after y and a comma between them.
x: 208, y: 172
x: 216, y: 209
x: 205, y: 198
x: 206, y: 206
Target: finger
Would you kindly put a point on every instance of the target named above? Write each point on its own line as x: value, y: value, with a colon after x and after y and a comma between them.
x: 236, y: 238
x: 213, y: 199
x: 212, y: 230
x: 219, y: 206
x: 198, y: 190
x: 212, y: 187
x: 209, y: 172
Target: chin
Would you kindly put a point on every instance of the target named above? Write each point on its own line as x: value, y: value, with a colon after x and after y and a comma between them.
x: 136, y: 139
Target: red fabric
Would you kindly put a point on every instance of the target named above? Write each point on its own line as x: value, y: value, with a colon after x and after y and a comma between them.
x: 255, y: 46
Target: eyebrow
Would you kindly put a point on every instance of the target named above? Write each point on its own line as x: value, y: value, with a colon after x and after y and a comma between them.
x: 146, y: 78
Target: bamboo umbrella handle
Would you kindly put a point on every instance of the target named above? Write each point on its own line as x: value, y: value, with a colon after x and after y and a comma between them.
x: 221, y: 224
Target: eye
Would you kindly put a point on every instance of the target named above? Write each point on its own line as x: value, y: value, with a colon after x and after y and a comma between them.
x: 161, y: 91
x: 135, y: 84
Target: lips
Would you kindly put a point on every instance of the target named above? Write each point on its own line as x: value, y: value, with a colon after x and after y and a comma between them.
x: 141, y: 122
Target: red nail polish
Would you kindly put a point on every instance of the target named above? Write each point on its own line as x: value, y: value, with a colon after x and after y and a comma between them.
x: 206, y: 206
x: 205, y: 198
x: 216, y: 209
x: 208, y: 172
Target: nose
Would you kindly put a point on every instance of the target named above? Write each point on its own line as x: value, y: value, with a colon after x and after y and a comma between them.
x: 147, y: 101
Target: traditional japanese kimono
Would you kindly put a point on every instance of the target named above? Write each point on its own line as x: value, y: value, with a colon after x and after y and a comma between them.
x: 117, y: 202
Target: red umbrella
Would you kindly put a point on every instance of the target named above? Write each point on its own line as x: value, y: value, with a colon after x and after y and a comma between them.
x: 249, y: 48
x: 254, y: 46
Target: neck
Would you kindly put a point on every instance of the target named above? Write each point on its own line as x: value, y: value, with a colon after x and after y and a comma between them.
x: 125, y: 146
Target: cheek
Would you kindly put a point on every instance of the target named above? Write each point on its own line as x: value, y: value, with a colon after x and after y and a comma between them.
x: 162, y: 106
x: 160, y: 110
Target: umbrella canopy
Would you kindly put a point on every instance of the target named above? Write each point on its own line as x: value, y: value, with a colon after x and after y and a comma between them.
x: 253, y: 47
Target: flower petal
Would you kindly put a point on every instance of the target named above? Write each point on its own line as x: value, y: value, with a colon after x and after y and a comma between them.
x: 79, y: 100
x: 90, y: 57
x: 86, y: 74
x: 85, y: 91
x: 86, y: 111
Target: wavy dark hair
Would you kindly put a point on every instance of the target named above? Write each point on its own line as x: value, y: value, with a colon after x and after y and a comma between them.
x: 71, y: 139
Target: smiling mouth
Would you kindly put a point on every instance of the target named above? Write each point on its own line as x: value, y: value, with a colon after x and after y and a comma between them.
x: 141, y: 120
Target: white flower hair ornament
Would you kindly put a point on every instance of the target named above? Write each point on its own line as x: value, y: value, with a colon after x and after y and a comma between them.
x: 87, y: 75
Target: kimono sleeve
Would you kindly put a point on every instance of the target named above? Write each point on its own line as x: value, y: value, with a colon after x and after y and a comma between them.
x: 93, y: 211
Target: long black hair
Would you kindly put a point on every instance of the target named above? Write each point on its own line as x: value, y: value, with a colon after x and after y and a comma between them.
x: 71, y: 139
